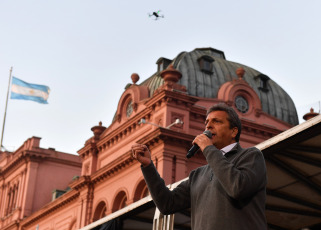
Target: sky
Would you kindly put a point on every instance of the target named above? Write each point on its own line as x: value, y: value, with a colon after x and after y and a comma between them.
x: 86, y: 51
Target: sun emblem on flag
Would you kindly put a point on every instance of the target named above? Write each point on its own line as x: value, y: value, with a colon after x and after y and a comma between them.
x: 31, y: 91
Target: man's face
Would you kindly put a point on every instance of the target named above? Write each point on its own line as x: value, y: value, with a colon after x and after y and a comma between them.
x: 217, y: 123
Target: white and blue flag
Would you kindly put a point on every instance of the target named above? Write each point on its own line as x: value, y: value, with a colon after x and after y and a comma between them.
x: 26, y: 91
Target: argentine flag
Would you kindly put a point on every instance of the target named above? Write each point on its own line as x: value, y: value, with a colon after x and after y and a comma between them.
x: 26, y: 91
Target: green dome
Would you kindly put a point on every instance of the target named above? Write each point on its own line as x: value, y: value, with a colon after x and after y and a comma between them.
x: 205, y: 70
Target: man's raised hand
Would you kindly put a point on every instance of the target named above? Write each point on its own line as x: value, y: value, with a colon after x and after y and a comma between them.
x: 142, y: 154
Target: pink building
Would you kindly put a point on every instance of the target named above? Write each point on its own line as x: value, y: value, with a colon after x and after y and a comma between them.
x: 32, y: 177
x: 165, y: 112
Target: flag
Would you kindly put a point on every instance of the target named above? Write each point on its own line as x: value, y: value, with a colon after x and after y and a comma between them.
x: 26, y: 91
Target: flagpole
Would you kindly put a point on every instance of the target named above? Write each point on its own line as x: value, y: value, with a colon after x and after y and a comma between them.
x: 5, y: 111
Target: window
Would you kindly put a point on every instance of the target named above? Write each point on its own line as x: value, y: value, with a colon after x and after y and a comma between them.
x: 12, y: 198
x: 241, y: 104
x: 141, y: 191
x: 129, y: 108
x: 100, y: 211
x: 162, y: 64
x: 206, y: 64
x: 120, y: 201
x: 264, y: 82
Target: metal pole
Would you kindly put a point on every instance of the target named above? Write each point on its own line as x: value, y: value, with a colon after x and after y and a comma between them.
x: 5, y: 111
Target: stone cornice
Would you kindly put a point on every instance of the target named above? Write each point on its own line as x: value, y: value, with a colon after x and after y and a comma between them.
x: 19, y: 159
x: 114, y: 167
x: 252, y: 127
x: 50, y: 208
x: 109, y: 170
x: 165, y: 134
x: 81, y: 183
x: 199, y: 110
x: 171, y: 96
x: 34, y: 156
x: 57, y: 160
x: 87, y: 150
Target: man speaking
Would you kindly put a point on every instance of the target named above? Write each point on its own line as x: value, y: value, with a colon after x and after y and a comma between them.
x: 226, y: 194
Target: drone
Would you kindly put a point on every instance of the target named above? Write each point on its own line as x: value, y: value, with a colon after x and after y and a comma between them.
x: 156, y: 15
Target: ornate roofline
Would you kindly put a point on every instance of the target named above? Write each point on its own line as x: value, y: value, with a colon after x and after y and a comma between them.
x: 164, y: 96
x: 33, y: 155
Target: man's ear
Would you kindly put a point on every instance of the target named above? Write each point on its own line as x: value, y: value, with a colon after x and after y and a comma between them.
x: 235, y: 131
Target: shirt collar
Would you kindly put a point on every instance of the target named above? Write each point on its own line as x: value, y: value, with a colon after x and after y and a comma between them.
x: 228, y: 148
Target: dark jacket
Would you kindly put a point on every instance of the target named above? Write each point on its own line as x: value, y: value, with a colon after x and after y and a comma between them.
x: 226, y: 194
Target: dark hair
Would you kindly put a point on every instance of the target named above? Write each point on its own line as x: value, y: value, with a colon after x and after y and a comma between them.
x: 232, y: 117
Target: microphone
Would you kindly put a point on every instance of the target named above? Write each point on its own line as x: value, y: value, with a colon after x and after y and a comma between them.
x: 195, y: 147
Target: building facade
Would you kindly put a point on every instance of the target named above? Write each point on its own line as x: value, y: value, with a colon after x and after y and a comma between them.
x: 31, y: 178
x: 165, y: 112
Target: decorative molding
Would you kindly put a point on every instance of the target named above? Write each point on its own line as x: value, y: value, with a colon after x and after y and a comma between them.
x: 113, y: 168
x: 161, y: 135
x: 50, y: 208
x: 250, y: 127
x: 83, y: 181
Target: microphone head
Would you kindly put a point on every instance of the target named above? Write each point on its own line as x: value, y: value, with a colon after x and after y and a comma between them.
x: 208, y: 133
x: 195, y: 147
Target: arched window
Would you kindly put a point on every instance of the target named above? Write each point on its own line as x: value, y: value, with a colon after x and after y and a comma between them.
x: 100, y: 211
x: 120, y: 201
x: 141, y: 191
x: 145, y: 192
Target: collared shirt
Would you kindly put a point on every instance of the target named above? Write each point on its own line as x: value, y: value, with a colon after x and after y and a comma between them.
x: 228, y: 148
